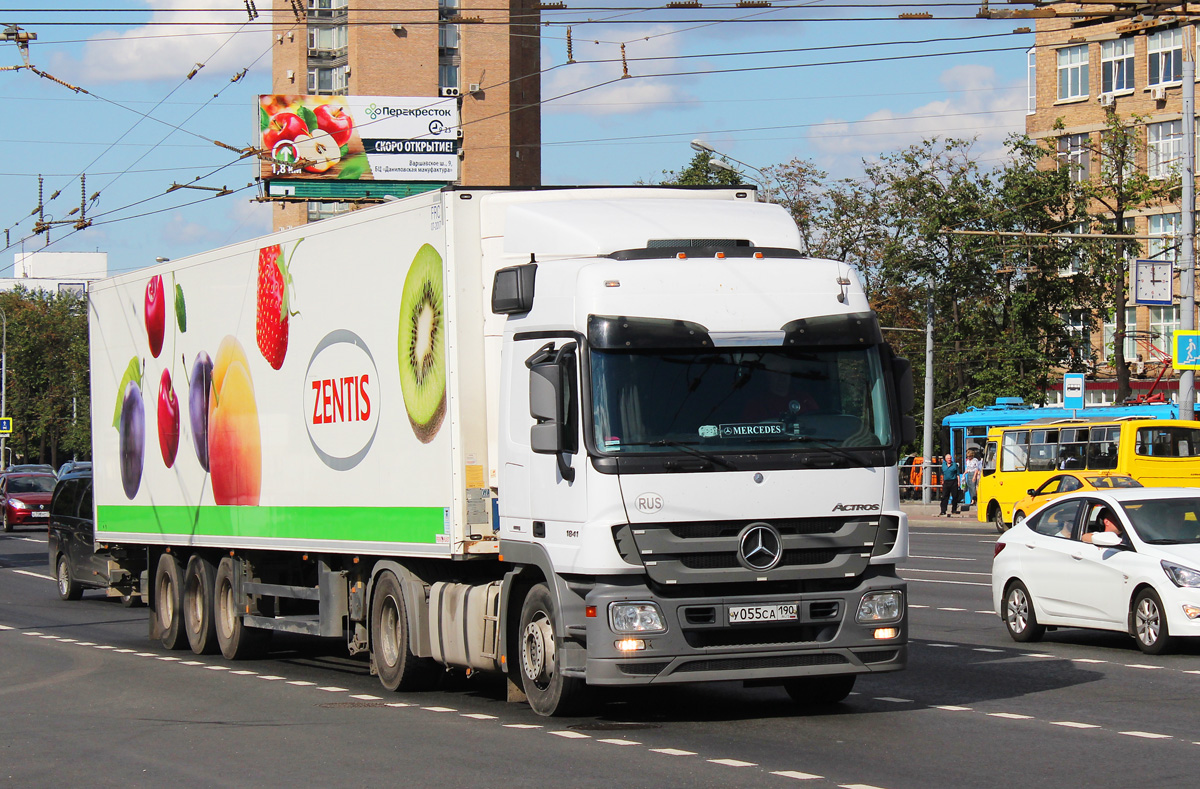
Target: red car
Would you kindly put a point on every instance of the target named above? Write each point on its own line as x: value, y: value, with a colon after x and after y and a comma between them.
x: 26, y: 498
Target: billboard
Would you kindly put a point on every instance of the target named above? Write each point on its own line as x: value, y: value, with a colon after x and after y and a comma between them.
x: 356, y: 138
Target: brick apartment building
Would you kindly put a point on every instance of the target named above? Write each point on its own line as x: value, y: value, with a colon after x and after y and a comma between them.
x: 485, y: 52
x: 1079, y: 71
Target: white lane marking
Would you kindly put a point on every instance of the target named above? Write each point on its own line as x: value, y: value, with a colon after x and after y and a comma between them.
x: 1147, y: 735
x: 942, y: 572
x: 948, y: 534
x: 366, y: 697
x: 943, y: 646
x: 67, y: 640
x: 1191, y: 672
x: 945, y: 558
x: 217, y: 668
x: 672, y: 752
x: 989, y: 613
x: 145, y: 654
x: 269, y: 677
x: 332, y: 689
x: 191, y: 663
x: 936, y: 581
x: 5, y: 627
x: 857, y: 786
x: 93, y: 643
x: 957, y: 610
x: 479, y: 716
x: 1141, y: 665
x: 986, y: 649
x: 168, y: 658
x: 244, y: 673
x: 301, y: 683
x: 952, y: 708
x: 521, y: 726
x: 125, y: 651
x: 103, y: 646
x: 732, y: 763
x: 893, y: 700
x: 31, y: 633
x: 616, y: 741
x: 439, y: 709
x: 398, y: 704
x: 32, y: 574
x: 1074, y: 725
x: 570, y: 735
x: 1087, y: 660
x: 1036, y: 654
x: 1012, y: 716
x: 914, y: 605
x: 799, y: 776
x: 30, y: 539
x: 54, y: 637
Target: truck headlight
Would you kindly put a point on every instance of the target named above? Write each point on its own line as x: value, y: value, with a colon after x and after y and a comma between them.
x: 880, y: 607
x: 635, y: 618
x: 1180, y: 575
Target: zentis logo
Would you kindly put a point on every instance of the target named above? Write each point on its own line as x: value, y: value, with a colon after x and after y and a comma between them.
x: 341, y: 400
x: 855, y: 507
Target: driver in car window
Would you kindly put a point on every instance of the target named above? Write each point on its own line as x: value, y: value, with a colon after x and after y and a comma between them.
x: 1105, y: 520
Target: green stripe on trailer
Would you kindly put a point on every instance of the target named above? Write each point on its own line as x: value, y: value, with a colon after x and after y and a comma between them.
x: 356, y: 524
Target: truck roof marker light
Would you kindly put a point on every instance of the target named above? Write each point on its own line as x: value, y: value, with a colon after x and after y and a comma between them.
x: 884, y: 633
x: 758, y: 256
x: 589, y: 611
x: 720, y: 256
x: 612, y: 283
x: 681, y: 255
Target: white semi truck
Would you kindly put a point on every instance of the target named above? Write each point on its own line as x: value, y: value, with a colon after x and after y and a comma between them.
x: 585, y: 437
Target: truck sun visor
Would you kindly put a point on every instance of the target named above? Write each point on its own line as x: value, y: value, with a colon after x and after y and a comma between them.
x: 608, y: 332
x: 854, y: 328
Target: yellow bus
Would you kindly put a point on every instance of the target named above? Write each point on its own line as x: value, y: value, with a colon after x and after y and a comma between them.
x: 1060, y: 453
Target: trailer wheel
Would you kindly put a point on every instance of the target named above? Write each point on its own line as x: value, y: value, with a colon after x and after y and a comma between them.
x: 68, y: 587
x: 236, y: 640
x: 168, y: 603
x: 391, y: 648
x: 548, y: 691
x: 198, y: 583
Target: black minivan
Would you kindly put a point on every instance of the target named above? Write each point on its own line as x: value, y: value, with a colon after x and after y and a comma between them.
x: 73, y: 557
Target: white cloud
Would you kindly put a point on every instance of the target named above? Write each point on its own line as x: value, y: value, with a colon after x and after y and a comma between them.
x: 977, y: 107
x: 179, y: 230
x: 157, y: 52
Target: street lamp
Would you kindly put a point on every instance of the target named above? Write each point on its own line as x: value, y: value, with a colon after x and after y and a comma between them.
x: 719, y: 164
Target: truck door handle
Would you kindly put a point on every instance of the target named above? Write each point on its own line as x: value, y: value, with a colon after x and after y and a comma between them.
x: 539, y: 528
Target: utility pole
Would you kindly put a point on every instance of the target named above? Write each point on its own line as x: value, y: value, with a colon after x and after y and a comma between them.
x: 927, y: 433
x: 1187, y: 255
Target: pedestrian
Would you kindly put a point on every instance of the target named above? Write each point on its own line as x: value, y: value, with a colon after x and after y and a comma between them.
x: 973, y: 470
x: 950, y: 489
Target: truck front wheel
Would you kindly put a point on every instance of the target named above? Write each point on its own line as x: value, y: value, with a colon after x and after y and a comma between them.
x: 548, y: 691
x: 168, y: 603
x: 391, y: 646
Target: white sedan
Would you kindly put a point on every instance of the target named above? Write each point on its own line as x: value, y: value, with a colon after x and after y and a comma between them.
x: 1141, y: 575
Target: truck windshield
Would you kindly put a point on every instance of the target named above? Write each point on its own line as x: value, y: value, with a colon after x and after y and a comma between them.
x: 738, y: 400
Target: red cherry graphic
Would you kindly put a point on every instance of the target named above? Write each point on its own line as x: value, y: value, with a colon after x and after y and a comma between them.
x: 168, y: 419
x: 156, y: 315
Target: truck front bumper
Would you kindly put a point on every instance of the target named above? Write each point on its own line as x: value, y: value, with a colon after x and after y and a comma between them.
x: 700, y: 644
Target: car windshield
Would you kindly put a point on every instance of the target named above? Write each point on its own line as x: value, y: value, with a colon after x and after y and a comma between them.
x: 1115, y: 481
x: 1166, y: 521
x: 738, y: 399
x: 33, y: 484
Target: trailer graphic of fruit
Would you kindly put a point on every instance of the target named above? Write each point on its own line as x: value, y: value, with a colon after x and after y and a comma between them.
x: 421, y: 346
x: 234, y: 438
x: 274, y: 303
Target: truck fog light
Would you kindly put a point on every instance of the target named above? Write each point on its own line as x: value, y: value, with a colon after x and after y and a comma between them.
x: 884, y: 633
x: 630, y: 617
x: 631, y: 644
x: 880, y: 607
x: 1192, y: 611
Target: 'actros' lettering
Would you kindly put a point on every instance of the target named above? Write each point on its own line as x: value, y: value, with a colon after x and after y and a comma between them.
x: 855, y: 507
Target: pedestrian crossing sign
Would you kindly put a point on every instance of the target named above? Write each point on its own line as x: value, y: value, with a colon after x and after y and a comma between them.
x: 1187, y: 350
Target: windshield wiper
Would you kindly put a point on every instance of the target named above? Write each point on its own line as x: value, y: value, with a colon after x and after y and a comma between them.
x: 824, y: 443
x: 666, y: 442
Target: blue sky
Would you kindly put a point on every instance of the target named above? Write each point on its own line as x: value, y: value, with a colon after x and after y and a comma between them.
x: 819, y: 90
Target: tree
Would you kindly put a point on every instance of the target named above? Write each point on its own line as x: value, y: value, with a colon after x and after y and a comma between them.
x: 698, y: 173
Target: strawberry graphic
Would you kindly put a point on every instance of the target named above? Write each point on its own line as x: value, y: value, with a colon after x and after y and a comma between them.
x: 274, y: 295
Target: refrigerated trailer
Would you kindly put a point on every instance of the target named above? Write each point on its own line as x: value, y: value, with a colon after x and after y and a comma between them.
x: 583, y: 437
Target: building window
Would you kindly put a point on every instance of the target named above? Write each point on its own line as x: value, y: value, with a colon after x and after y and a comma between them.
x: 447, y: 75
x: 1031, y: 81
x: 327, y: 8
x: 448, y: 36
x: 1116, y: 65
x: 1073, y: 72
x: 1075, y: 151
x: 1110, y: 331
x: 1164, y: 148
x: 319, y: 211
x: 1164, y: 322
x: 1078, y: 254
x: 1168, y: 227
x: 1079, y: 345
x: 330, y: 41
x: 327, y: 81
x: 1164, y: 56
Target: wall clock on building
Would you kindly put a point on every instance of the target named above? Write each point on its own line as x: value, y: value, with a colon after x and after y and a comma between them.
x: 1152, y: 282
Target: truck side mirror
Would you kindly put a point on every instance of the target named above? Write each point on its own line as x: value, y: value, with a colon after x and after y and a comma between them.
x: 905, y: 398
x: 553, y: 404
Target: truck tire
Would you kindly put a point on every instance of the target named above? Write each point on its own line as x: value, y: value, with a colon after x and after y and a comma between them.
x: 168, y: 603
x: 68, y: 587
x: 820, y: 691
x: 198, y: 583
x: 391, y: 648
x: 236, y: 640
x: 548, y: 691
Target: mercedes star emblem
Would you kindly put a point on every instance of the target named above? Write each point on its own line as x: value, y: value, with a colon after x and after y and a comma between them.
x: 760, y: 547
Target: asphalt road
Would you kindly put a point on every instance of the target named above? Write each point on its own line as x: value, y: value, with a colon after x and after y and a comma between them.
x: 86, y: 699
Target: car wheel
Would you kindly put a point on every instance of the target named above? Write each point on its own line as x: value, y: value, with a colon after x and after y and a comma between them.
x: 820, y: 691
x: 1018, y: 517
x: 7, y: 525
x: 1150, y: 623
x: 996, y: 516
x: 68, y: 587
x: 1019, y: 616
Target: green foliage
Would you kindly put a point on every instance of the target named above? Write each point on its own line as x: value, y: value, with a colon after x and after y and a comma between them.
x: 698, y: 173
x: 46, y: 390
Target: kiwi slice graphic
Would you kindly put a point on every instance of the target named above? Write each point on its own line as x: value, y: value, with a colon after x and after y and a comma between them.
x: 422, y: 347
